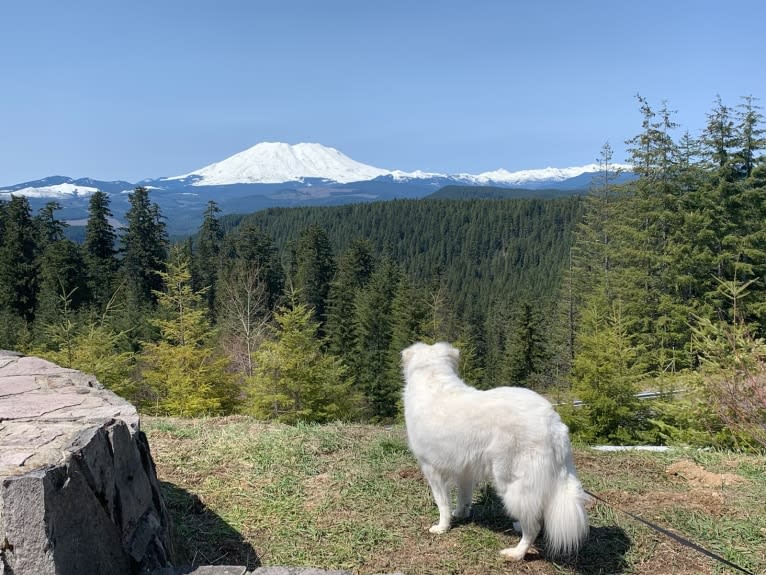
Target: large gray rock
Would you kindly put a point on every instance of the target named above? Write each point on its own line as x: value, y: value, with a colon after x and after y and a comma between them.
x: 78, y: 489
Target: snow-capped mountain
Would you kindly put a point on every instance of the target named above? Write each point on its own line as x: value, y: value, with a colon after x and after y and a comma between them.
x: 524, y: 177
x: 275, y: 162
x: 281, y: 175
x: 55, y: 191
x: 61, y: 187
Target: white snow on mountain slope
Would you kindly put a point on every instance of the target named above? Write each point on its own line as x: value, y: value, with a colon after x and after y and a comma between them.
x: 399, y: 175
x: 56, y: 191
x: 274, y: 162
x: 539, y: 175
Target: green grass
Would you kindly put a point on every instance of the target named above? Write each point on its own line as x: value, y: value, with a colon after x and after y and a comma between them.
x: 352, y: 497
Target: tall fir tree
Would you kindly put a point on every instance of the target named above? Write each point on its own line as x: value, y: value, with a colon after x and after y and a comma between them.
x: 61, y: 282
x: 49, y: 229
x: 100, y: 249
x: 750, y: 136
x: 250, y: 245
x: 526, y: 353
x: 313, y: 267
x: 144, y: 248
x: 605, y: 376
x: 206, y: 255
x: 18, y: 263
x: 373, y: 333
x: 355, y: 267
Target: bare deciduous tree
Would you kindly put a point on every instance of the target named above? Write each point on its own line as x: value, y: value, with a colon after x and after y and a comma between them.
x: 243, y: 314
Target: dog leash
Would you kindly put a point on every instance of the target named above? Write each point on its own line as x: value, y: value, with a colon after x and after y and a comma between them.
x: 682, y: 540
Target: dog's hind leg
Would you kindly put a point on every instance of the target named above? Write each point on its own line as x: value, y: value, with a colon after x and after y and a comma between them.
x: 465, y: 487
x: 440, y: 488
x: 521, y: 503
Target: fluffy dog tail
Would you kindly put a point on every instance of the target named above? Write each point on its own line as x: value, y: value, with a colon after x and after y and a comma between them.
x: 566, y: 522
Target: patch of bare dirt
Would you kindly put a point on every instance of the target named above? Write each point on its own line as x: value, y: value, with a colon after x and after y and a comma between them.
x: 650, y: 504
x: 410, y: 473
x: 697, y: 476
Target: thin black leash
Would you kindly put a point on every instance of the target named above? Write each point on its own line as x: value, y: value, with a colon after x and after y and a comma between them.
x: 677, y: 538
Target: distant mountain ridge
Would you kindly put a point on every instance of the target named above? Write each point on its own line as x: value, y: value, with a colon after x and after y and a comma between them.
x: 273, y: 174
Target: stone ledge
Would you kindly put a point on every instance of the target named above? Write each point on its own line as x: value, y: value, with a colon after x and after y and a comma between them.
x: 78, y: 488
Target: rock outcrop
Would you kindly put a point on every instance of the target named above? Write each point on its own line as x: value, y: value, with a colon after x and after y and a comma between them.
x: 78, y: 489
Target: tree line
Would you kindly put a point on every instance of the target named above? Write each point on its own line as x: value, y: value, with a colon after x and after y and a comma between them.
x: 288, y: 314
x: 665, y: 287
x: 300, y: 314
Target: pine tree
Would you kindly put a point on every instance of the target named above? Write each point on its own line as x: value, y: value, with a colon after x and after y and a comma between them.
x: 61, y: 278
x: 593, y: 262
x: 736, y: 207
x: 442, y: 324
x: 90, y: 344
x: 184, y: 373
x: 526, y: 354
x: 207, y: 253
x: 373, y: 333
x: 409, y: 317
x: 749, y: 136
x: 99, y: 247
x: 254, y: 248
x: 294, y: 380
x: 650, y: 235
x: 49, y: 230
x: 144, y: 247
x: 18, y: 264
x: 61, y: 264
x: 719, y: 138
x: 354, y: 270
x: 605, y: 374
x: 312, y: 271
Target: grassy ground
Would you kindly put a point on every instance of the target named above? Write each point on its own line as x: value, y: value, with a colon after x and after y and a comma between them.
x: 352, y: 497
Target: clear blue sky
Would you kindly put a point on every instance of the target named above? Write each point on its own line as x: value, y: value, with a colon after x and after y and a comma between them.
x: 150, y: 88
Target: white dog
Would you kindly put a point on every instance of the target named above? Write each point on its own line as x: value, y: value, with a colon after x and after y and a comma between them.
x: 509, y: 435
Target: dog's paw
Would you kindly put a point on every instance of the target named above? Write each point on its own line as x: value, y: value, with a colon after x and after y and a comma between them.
x: 513, y: 553
x: 438, y: 529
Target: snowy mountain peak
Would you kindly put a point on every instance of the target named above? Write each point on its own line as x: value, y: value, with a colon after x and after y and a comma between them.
x: 520, y: 177
x: 275, y: 162
x: 62, y: 190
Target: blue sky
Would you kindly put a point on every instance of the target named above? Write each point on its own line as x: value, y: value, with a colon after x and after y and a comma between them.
x: 143, y: 89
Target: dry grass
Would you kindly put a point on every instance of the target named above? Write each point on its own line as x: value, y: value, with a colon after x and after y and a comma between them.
x: 352, y: 497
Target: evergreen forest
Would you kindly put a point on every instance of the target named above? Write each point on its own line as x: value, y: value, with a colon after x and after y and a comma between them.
x: 646, y: 286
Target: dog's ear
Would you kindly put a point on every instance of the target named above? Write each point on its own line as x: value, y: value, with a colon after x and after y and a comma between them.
x: 448, y: 350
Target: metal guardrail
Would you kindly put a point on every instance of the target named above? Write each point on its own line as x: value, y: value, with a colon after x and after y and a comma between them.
x: 642, y: 395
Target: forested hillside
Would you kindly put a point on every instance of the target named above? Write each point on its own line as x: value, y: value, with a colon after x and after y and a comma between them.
x: 483, y: 252
x: 666, y: 288
x: 655, y: 283
x: 495, y: 193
